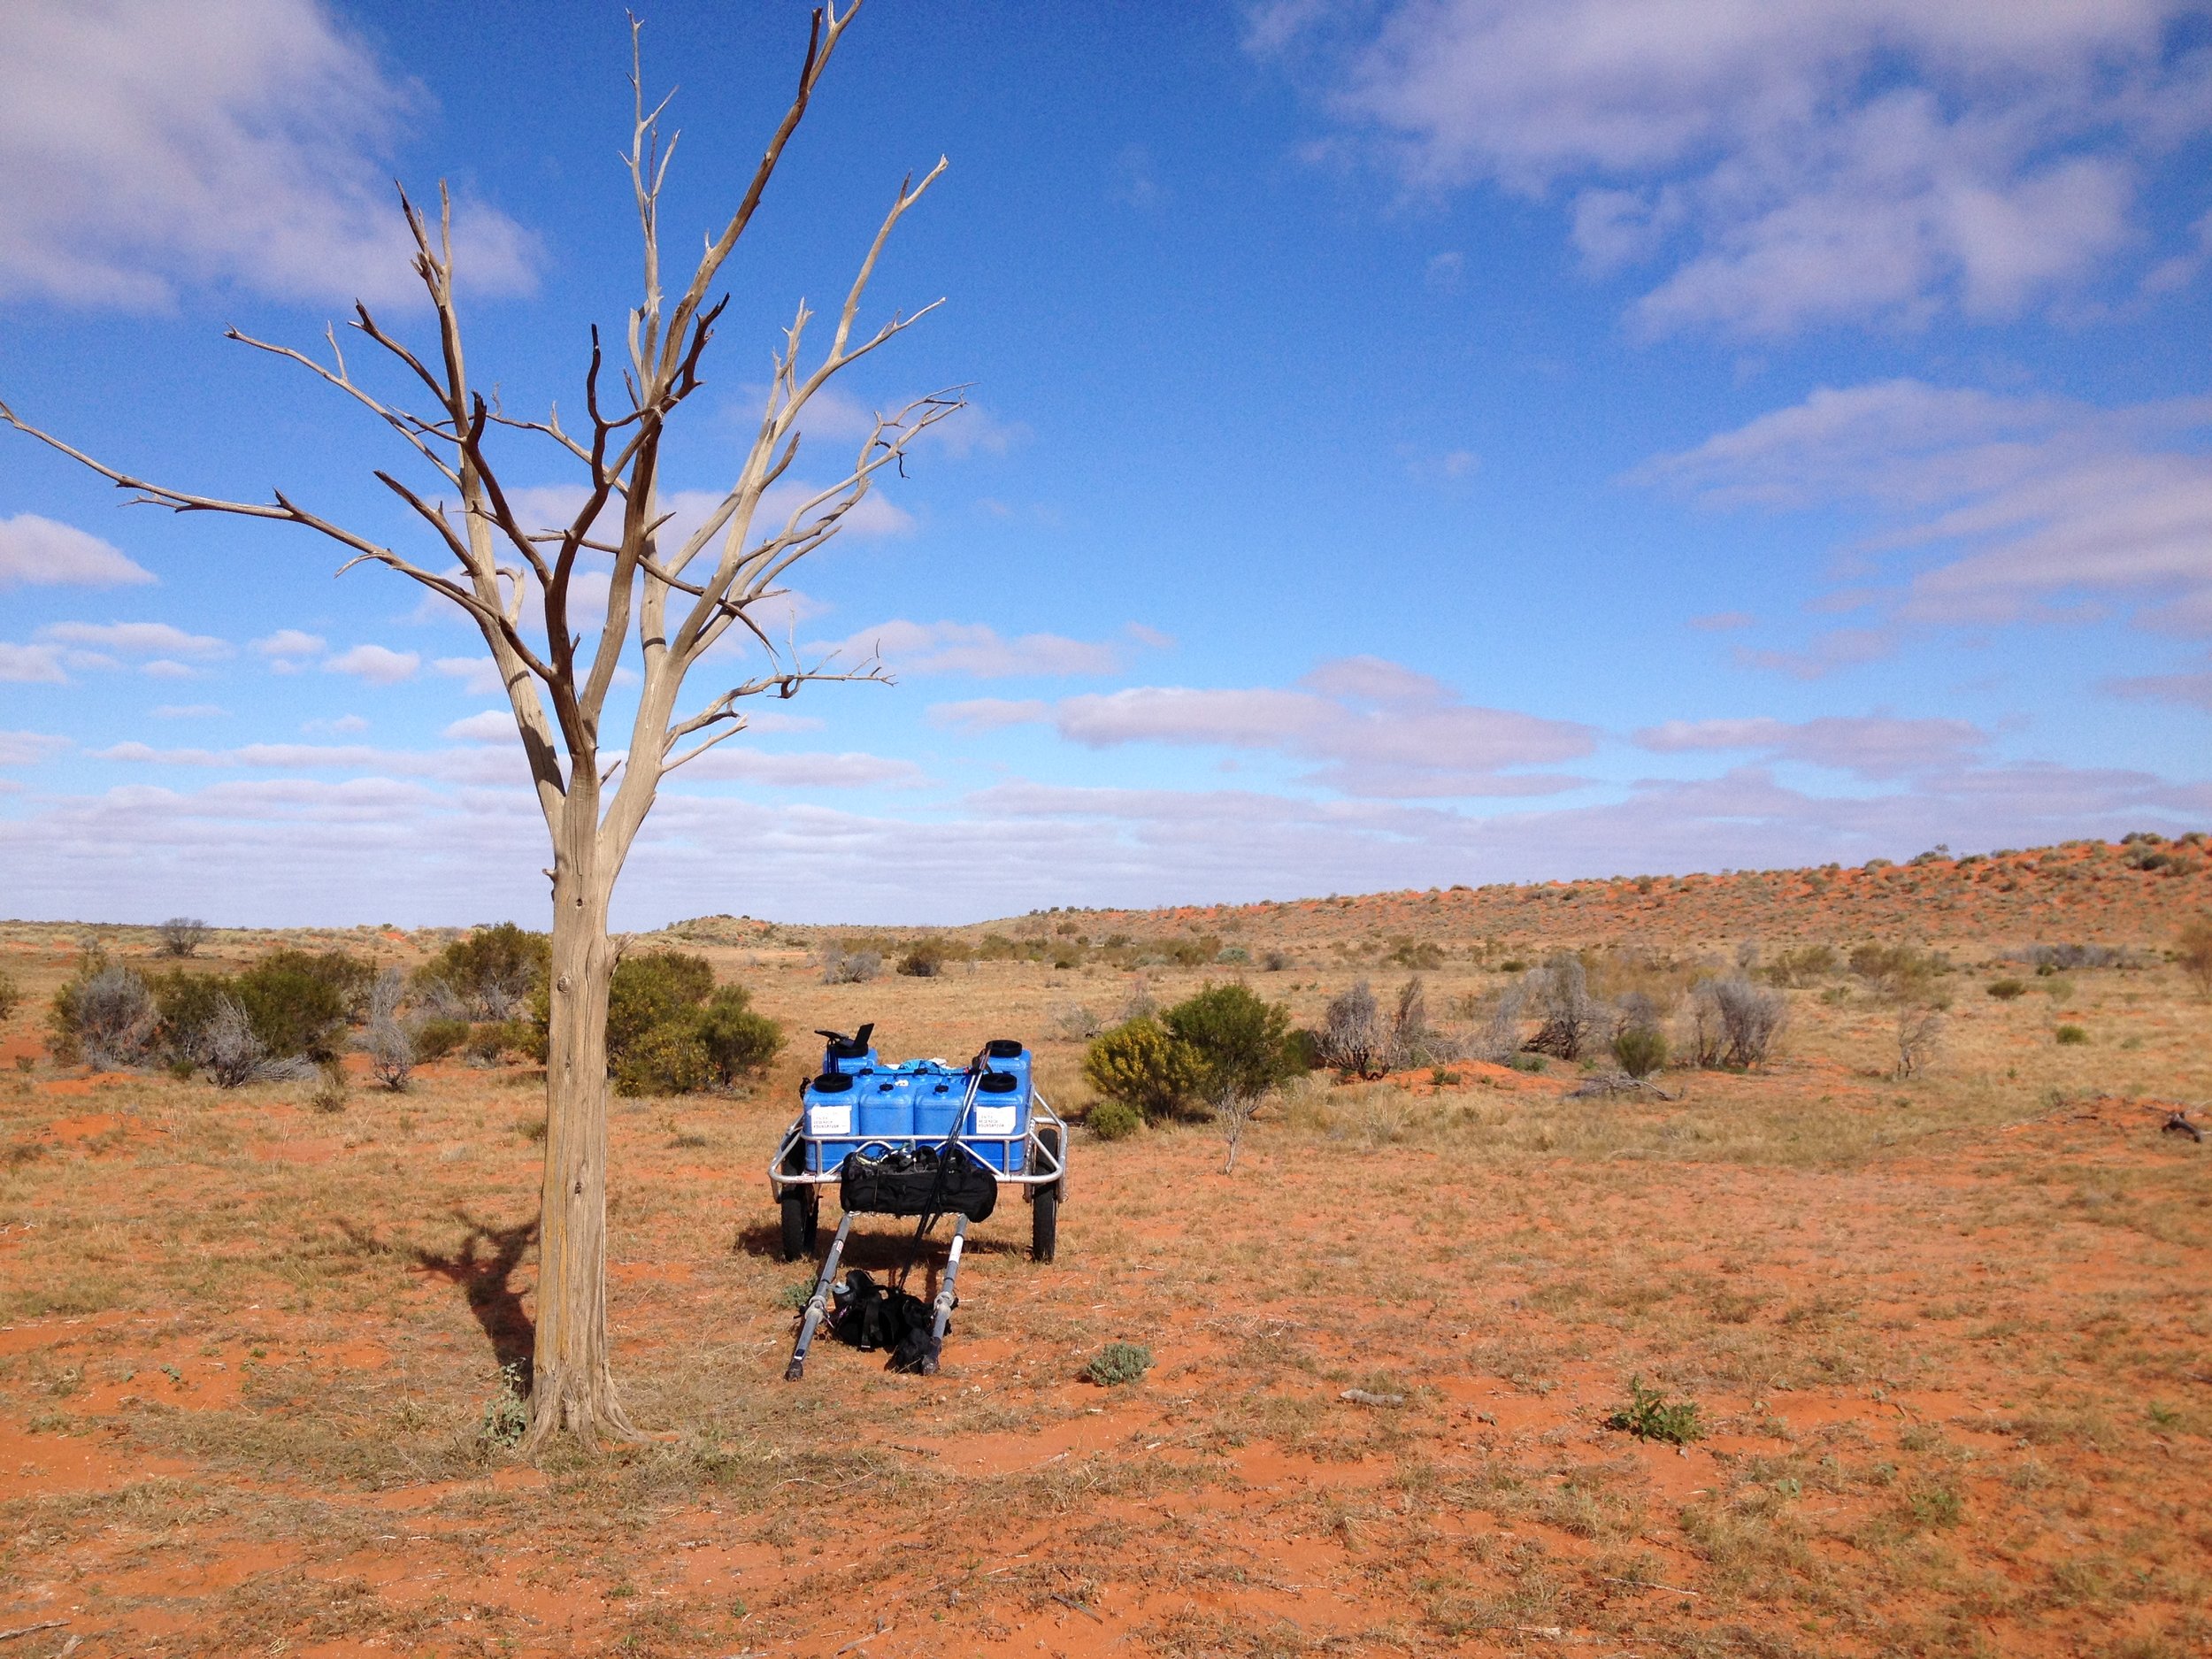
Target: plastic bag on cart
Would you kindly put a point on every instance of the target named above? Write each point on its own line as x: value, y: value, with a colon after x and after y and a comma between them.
x: 914, y: 1182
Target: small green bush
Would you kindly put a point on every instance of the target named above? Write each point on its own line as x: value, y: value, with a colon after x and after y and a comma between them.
x: 739, y: 1040
x: 1650, y: 1415
x: 925, y: 959
x: 293, y: 1005
x: 1114, y: 1120
x: 2005, y: 990
x: 1139, y: 1064
x: 1530, y: 1063
x: 507, y: 1415
x: 670, y: 1031
x: 2071, y: 1036
x: 492, y: 970
x: 1119, y: 1363
x: 1242, y: 1044
x: 10, y: 995
x: 434, y: 1039
x: 1641, y: 1050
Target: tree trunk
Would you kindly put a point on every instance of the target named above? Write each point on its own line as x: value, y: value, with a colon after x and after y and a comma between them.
x: 573, y: 1383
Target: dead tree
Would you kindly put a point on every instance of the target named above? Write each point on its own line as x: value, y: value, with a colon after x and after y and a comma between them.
x: 517, y: 581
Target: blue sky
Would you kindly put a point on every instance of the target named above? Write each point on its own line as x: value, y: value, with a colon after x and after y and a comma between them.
x: 1410, y: 443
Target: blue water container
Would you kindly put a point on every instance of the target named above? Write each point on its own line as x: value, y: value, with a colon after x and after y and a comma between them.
x: 884, y: 1103
x: 1003, y: 1054
x: 830, y: 1113
x: 936, y: 1096
x: 998, y: 1123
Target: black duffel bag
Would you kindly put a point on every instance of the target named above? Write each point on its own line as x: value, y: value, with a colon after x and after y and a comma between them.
x: 918, y: 1182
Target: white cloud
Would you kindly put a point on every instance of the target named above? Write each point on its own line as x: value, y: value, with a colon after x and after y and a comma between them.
x: 282, y: 849
x: 1786, y: 165
x: 494, y: 726
x: 243, y: 142
x: 1869, y: 746
x: 479, y: 675
x: 729, y: 761
x: 137, y: 639
x: 377, y: 665
x: 31, y: 666
x: 471, y: 765
x: 975, y: 649
x: 1380, y: 730
x: 163, y: 668
x: 37, y: 552
x: 290, y: 649
x: 27, y: 748
x: 344, y: 725
x: 1998, y: 508
x: 2191, y: 690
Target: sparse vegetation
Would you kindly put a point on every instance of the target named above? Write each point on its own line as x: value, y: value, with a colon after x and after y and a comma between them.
x: 2071, y: 1036
x: 1140, y: 1066
x: 2192, y: 950
x: 182, y: 935
x: 1650, y: 1415
x: 1118, y: 1365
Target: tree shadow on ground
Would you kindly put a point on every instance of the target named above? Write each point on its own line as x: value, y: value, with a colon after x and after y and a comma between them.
x: 484, y: 1267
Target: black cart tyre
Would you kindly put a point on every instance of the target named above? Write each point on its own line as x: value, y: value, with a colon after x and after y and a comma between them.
x: 798, y: 1225
x: 1044, y: 1206
x: 1044, y: 1222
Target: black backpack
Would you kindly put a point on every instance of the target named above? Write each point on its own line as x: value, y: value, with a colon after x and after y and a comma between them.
x: 869, y: 1316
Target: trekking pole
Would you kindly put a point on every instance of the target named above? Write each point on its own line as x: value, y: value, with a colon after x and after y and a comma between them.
x: 943, y: 1306
x: 945, y: 1155
x: 820, y: 1302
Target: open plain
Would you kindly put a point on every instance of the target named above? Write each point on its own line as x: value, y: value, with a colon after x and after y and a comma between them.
x: 1949, y: 1337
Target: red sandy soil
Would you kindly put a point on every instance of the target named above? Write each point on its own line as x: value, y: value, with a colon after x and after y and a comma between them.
x: 1950, y: 1340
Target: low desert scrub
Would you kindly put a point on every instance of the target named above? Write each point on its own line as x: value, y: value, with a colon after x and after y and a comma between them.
x: 1734, y: 1024
x: 670, y: 1030
x: 2192, y: 950
x: 182, y: 935
x: 1650, y: 1415
x: 11, y: 996
x: 492, y: 974
x: 849, y: 967
x: 1118, y: 1363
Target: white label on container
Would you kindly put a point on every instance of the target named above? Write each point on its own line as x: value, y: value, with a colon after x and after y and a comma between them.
x: 829, y: 1120
x: 997, y: 1120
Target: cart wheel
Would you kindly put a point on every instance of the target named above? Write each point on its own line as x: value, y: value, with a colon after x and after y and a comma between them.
x: 798, y: 1225
x: 1044, y: 1222
x: 1044, y: 1207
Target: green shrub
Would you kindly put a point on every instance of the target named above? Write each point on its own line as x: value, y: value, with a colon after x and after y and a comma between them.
x: 2071, y: 1035
x: 1139, y: 1064
x: 925, y: 959
x: 739, y: 1040
x: 667, y: 1059
x: 292, y: 1004
x: 189, y: 1004
x: 1641, y: 1050
x: 434, y: 1039
x: 1650, y: 1415
x: 1114, y: 1120
x: 1242, y: 1044
x: 492, y: 970
x: 507, y: 1414
x: 349, y: 978
x: 671, y: 1032
x: 1530, y: 1063
x: 10, y: 995
x: 2005, y: 990
x: 1119, y: 1363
